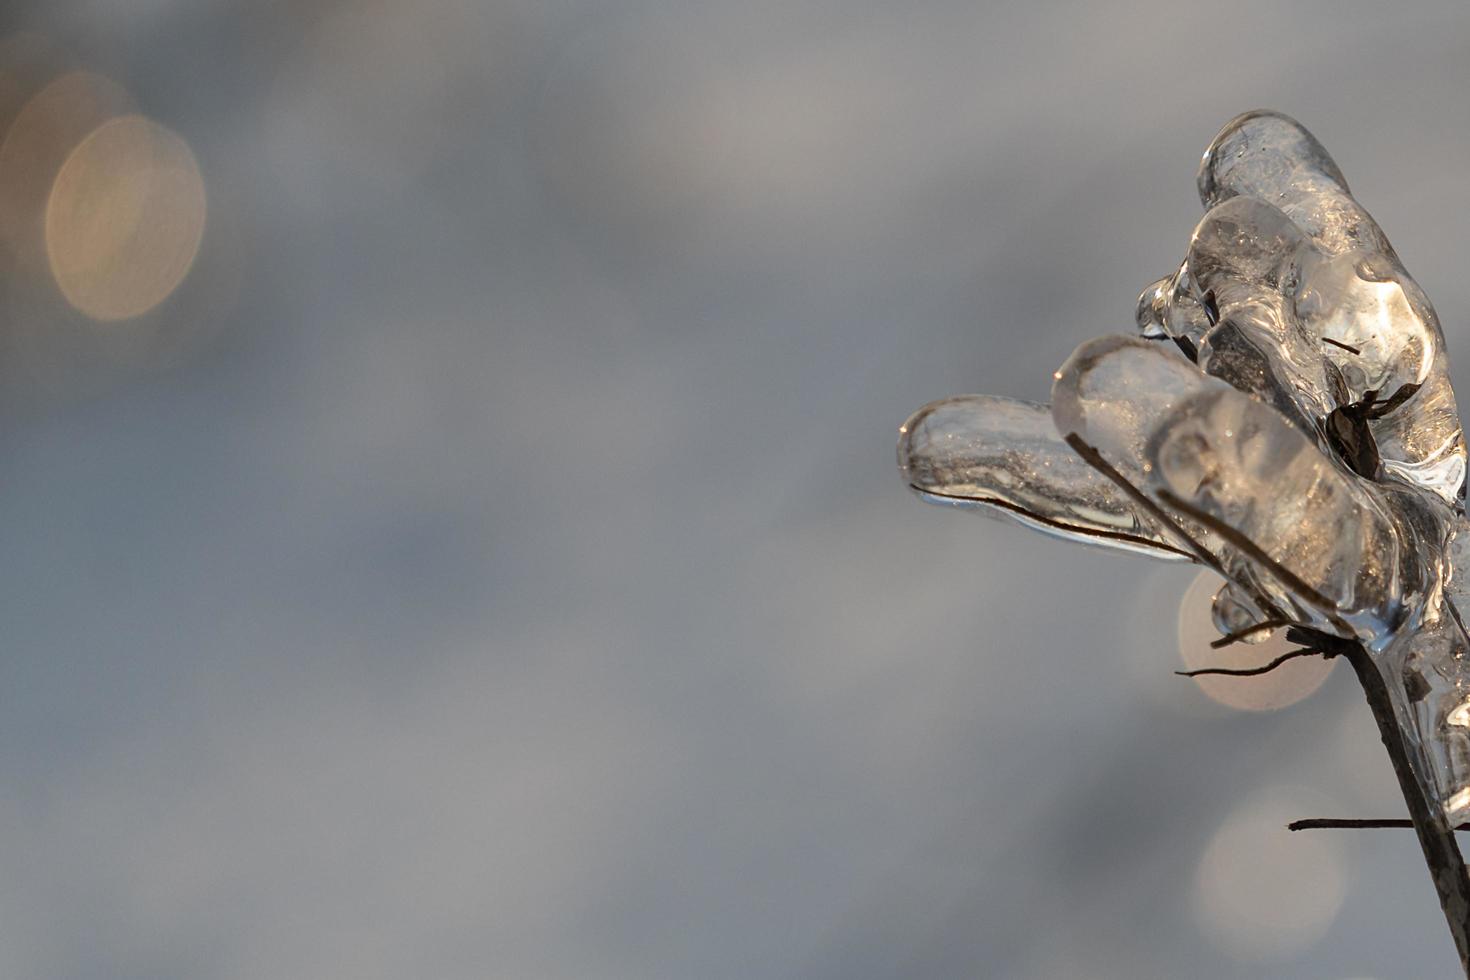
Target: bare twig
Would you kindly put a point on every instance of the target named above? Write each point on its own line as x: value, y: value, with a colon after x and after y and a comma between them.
x: 1436, y: 837
x: 1238, y: 635
x: 1337, y: 343
x: 1337, y: 823
x: 1252, y: 671
x: 1076, y: 529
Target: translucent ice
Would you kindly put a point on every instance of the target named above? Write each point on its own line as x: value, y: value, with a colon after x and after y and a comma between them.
x: 1113, y: 390
x: 1234, y: 612
x: 1326, y: 548
x: 1286, y: 418
x: 1112, y: 393
x: 1005, y: 458
x: 1353, y: 290
x: 1171, y: 307
x: 1271, y: 157
x: 1247, y: 255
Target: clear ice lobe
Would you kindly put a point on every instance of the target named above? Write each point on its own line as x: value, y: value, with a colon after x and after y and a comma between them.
x: 1271, y: 157
x: 1326, y: 548
x: 1171, y: 307
x: 1247, y: 255
x: 1378, y: 329
x: 1003, y: 457
x: 1113, y: 390
x: 1245, y: 242
x: 1371, y: 305
x: 1112, y: 393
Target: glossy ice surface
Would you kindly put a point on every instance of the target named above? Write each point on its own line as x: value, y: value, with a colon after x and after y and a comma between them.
x: 1005, y: 456
x: 1286, y: 417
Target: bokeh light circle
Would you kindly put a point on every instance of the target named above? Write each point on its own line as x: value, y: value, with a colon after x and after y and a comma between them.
x: 1262, y: 892
x: 43, y: 133
x: 1287, y: 684
x: 125, y: 218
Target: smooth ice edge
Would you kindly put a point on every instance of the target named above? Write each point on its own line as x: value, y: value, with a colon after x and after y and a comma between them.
x: 1002, y: 457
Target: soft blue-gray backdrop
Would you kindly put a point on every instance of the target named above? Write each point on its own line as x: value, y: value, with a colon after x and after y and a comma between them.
x: 503, y: 572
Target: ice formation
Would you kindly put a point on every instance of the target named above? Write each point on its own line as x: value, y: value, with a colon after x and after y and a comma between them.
x: 1284, y: 416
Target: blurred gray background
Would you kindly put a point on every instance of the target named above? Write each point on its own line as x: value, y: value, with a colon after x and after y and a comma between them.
x: 488, y: 560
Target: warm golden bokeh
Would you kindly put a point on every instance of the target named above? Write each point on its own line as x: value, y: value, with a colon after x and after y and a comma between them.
x: 124, y: 219
x: 42, y: 135
x: 1287, y: 684
x: 1264, y: 893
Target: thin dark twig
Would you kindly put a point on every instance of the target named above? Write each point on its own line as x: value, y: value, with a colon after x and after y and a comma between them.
x: 1442, y: 853
x: 1333, y: 823
x: 1238, y: 635
x: 1337, y: 343
x: 1253, y: 671
x: 1378, y: 409
x: 1211, y: 307
x: 1077, y: 529
x: 1455, y: 612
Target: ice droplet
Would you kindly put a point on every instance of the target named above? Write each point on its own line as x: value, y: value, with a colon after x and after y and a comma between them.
x: 1235, y: 611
